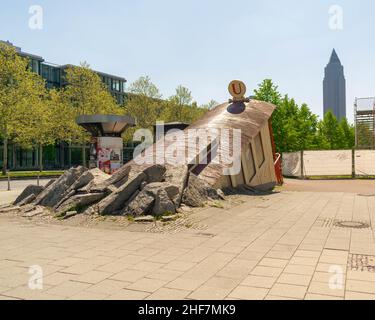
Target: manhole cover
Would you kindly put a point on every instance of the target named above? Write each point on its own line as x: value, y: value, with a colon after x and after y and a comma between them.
x: 352, y: 224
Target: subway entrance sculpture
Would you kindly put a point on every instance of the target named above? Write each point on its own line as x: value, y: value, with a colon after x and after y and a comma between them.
x: 147, y: 187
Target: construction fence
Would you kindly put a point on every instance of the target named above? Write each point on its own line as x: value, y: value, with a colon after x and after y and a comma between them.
x: 355, y: 163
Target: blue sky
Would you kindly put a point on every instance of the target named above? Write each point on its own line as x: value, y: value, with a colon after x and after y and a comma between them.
x: 205, y: 44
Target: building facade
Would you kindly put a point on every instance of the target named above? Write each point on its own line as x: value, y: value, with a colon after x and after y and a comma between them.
x: 53, y: 74
x: 334, y: 87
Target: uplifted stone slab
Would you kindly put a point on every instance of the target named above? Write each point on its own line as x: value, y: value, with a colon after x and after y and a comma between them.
x: 115, y: 201
x: 144, y: 219
x: 29, y: 190
x: 141, y: 205
x: 27, y: 200
x: 52, y: 195
x: 121, y: 175
x: 198, y: 192
x: 80, y: 201
x: 155, y: 173
x: 177, y: 176
x: 99, y: 178
x: 154, y: 187
x: 163, y: 204
x: 83, y: 180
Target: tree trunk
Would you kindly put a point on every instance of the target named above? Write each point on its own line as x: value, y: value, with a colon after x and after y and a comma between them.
x: 5, y: 153
x: 40, y: 158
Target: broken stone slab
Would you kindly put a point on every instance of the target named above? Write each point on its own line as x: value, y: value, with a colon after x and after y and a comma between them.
x: 163, y: 204
x: 50, y: 182
x: 80, y: 201
x: 27, y: 200
x: 10, y: 209
x: 29, y: 190
x: 169, y: 218
x: 67, y: 196
x: 36, y: 212
x: 70, y: 214
x: 198, y: 192
x: 155, y: 173
x: 184, y: 208
x: 162, y: 192
x: 100, y: 185
x: 83, y: 180
x: 116, y: 200
x: 52, y: 195
x: 177, y: 176
x: 99, y: 178
x: 142, y: 204
x: 144, y: 219
x: 221, y: 194
x: 153, y: 188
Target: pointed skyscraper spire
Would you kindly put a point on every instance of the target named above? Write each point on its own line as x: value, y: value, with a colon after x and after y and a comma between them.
x: 334, y: 87
x: 334, y: 57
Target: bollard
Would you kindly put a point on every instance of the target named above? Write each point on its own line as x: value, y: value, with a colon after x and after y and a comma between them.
x: 8, y: 181
x: 38, y: 183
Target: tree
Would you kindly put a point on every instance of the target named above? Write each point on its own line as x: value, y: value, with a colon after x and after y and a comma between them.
x: 267, y: 91
x: 21, y: 105
x: 144, y: 104
x: 144, y: 86
x: 296, y: 128
x: 348, y: 132
x: 331, y: 136
x: 86, y: 94
x: 182, y: 98
x: 210, y: 105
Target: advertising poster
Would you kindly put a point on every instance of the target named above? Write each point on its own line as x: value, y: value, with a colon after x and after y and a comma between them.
x: 109, y: 151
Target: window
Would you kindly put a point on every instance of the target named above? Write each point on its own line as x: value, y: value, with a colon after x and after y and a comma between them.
x: 259, y: 150
x: 116, y: 85
x: 34, y: 65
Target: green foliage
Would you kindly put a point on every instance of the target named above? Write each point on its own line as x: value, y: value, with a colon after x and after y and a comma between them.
x: 33, y: 116
x: 145, y: 104
x: 85, y: 94
x: 297, y: 128
x: 24, y: 116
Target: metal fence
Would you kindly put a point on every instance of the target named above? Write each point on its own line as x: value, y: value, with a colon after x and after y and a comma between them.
x: 354, y: 163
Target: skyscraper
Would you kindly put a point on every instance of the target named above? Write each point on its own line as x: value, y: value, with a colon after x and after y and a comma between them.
x: 334, y: 87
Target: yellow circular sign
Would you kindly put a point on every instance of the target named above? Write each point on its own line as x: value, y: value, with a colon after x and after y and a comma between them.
x: 237, y: 89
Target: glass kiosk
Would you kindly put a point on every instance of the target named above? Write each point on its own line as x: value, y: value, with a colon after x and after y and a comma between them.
x: 106, y: 150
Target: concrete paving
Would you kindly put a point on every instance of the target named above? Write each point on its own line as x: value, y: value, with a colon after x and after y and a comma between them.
x: 346, y: 186
x: 287, y: 245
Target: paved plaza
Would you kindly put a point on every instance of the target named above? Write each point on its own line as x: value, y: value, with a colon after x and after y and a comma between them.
x: 287, y: 245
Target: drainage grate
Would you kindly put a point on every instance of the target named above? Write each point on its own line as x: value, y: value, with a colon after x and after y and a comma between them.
x: 352, y: 224
x: 359, y: 262
x: 324, y: 223
x: 366, y: 195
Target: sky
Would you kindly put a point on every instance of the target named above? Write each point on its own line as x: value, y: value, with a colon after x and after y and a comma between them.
x: 203, y: 45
